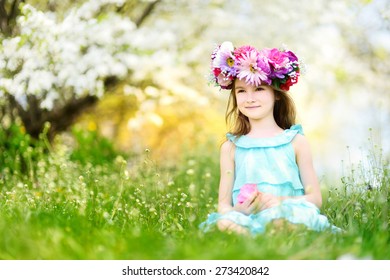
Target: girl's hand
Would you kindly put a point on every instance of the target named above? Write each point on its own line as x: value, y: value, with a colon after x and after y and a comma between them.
x: 268, y: 200
x: 251, y: 205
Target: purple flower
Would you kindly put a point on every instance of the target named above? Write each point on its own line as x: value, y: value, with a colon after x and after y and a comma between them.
x: 224, y: 59
x: 279, y: 61
x: 291, y: 56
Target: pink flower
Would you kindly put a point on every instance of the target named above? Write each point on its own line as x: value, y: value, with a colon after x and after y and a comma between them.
x: 245, y: 192
x: 225, y: 82
x: 277, y: 58
x: 253, y: 68
x: 243, y: 50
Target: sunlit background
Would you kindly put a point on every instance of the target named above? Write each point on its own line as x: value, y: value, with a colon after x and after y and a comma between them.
x: 164, y: 102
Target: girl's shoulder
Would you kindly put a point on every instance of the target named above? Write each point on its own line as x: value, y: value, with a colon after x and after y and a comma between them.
x: 300, y: 144
x: 227, y: 146
x: 228, y: 149
x: 300, y: 139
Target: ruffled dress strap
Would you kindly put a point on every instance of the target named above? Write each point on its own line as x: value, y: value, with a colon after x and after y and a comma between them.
x: 298, y: 128
x: 283, y: 138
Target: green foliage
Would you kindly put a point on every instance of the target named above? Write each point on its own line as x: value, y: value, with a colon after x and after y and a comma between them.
x: 18, y: 151
x: 361, y: 204
x: 92, y: 148
x: 140, y: 209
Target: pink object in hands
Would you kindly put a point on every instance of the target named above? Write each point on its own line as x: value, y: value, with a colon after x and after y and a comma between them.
x: 245, y: 191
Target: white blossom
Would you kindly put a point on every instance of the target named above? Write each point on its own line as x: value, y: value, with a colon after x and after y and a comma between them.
x: 53, y: 59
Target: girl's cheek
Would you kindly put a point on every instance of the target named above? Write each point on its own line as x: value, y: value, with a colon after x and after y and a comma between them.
x: 240, y: 99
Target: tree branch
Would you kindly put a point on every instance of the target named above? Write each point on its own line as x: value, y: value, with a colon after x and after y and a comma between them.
x: 15, y: 9
x: 7, y: 19
x: 3, y: 17
x: 146, y: 13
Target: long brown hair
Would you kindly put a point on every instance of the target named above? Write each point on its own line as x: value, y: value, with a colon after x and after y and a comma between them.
x: 284, y: 113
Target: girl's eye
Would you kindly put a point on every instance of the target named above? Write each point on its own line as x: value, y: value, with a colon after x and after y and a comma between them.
x: 259, y: 89
x: 240, y: 91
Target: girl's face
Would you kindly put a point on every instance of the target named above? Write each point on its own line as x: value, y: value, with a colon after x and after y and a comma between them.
x: 254, y: 102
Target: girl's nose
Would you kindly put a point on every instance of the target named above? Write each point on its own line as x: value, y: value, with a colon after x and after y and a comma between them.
x: 250, y: 97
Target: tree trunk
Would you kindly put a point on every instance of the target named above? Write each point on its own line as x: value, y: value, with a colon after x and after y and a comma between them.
x: 34, y: 118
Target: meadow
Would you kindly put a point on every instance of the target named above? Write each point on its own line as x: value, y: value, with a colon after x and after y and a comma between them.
x: 89, y: 201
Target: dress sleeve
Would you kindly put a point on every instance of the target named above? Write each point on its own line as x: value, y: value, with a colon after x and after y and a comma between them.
x: 298, y: 128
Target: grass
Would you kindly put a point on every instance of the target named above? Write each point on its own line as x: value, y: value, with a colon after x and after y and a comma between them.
x: 58, y: 208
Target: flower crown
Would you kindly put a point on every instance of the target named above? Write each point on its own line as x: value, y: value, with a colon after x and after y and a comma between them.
x: 279, y: 68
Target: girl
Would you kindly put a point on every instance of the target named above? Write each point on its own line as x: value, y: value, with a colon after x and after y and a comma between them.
x: 266, y: 166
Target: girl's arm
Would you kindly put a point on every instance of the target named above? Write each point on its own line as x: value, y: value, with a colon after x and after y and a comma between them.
x: 225, y: 203
x: 226, y: 177
x: 306, y: 170
x: 226, y: 183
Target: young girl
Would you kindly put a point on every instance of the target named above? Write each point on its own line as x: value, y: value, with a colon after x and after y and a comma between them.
x: 267, y: 175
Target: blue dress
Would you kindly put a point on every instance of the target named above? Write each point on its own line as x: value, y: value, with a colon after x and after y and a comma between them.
x: 270, y: 164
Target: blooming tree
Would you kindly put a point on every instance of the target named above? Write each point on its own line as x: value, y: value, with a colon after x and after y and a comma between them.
x: 55, y: 69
